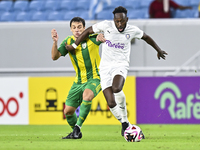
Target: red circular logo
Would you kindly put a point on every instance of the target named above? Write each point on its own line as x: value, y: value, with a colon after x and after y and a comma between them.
x: 5, y: 106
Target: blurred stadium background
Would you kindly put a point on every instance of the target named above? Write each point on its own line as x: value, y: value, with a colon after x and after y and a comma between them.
x: 56, y: 10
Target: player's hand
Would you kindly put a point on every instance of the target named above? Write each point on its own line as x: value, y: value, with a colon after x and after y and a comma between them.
x: 54, y: 35
x: 70, y: 48
x: 161, y: 54
x: 101, y: 38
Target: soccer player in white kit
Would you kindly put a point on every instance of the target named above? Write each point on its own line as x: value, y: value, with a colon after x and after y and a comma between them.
x: 115, y: 56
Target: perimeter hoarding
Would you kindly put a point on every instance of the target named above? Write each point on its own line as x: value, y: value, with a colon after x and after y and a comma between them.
x: 47, y: 97
x: 168, y: 100
x: 14, y: 100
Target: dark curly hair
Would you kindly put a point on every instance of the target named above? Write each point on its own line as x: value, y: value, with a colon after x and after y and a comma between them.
x: 78, y: 19
x: 120, y: 9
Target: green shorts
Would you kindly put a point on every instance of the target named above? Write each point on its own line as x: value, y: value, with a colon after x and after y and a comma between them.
x: 75, y: 95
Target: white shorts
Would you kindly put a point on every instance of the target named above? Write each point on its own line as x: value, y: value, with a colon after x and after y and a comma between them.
x: 107, y: 75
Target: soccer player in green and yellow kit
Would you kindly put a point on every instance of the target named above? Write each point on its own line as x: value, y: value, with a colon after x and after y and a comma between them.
x: 86, y: 86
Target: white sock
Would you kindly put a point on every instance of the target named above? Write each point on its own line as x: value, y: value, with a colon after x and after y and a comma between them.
x: 121, y: 101
x: 78, y: 126
x: 115, y: 112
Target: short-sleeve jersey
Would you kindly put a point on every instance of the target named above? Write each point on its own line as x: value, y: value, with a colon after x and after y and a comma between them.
x: 116, y: 49
x: 86, y: 58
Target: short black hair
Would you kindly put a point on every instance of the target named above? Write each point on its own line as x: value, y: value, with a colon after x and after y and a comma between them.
x: 120, y: 9
x: 78, y: 19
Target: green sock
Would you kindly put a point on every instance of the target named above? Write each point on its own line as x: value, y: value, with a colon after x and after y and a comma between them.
x: 71, y: 119
x: 84, y: 111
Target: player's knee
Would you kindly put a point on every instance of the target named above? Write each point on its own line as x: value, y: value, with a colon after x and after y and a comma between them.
x: 116, y: 89
x: 88, y: 95
x: 68, y: 112
x: 88, y: 98
x: 111, y: 104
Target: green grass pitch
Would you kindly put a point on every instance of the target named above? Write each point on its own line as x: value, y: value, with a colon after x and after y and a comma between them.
x: 98, y: 137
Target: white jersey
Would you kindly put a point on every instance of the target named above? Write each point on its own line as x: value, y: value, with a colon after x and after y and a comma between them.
x: 116, y: 49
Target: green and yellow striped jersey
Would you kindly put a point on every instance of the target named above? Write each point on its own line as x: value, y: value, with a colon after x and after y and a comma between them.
x: 86, y: 58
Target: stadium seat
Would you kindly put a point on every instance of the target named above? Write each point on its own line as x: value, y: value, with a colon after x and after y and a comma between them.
x: 70, y: 14
x: 52, y: 5
x: 137, y: 14
x: 6, y: 6
x: 38, y: 16
x: 85, y: 15
x: 79, y: 12
x: 113, y: 4
x: 23, y: 16
x: 145, y: 3
x: 189, y: 13
x: 194, y: 13
x: 104, y: 14
x: 183, y: 14
x: 194, y: 2
x: 36, y: 6
x: 83, y: 5
x: 55, y: 16
x: 20, y: 6
x: 132, y: 4
x: 40, y: 0
x: 7, y: 16
x: 145, y: 13
x: 183, y: 2
x: 67, y: 5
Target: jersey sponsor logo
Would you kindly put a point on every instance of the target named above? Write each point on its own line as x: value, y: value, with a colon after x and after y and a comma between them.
x: 115, y: 45
x: 128, y: 36
x: 108, y: 31
x: 84, y: 45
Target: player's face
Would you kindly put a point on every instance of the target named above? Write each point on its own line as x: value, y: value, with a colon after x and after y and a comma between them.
x: 120, y: 20
x: 77, y: 28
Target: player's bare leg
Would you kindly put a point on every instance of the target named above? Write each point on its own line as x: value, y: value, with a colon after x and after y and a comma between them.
x: 114, y: 108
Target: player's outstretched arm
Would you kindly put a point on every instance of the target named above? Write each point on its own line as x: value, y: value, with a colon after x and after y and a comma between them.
x: 101, y: 38
x: 55, y: 54
x: 151, y: 42
x: 82, y: 37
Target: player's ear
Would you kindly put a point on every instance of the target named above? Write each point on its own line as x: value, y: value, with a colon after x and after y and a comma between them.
x: 126, y: 19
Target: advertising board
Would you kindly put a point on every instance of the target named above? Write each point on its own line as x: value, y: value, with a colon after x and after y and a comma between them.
x: 47, y: 97
x: 14, y: 100
x: 169, y: 100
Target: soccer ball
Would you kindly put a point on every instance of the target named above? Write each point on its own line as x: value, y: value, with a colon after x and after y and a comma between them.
x: 133, y: 134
